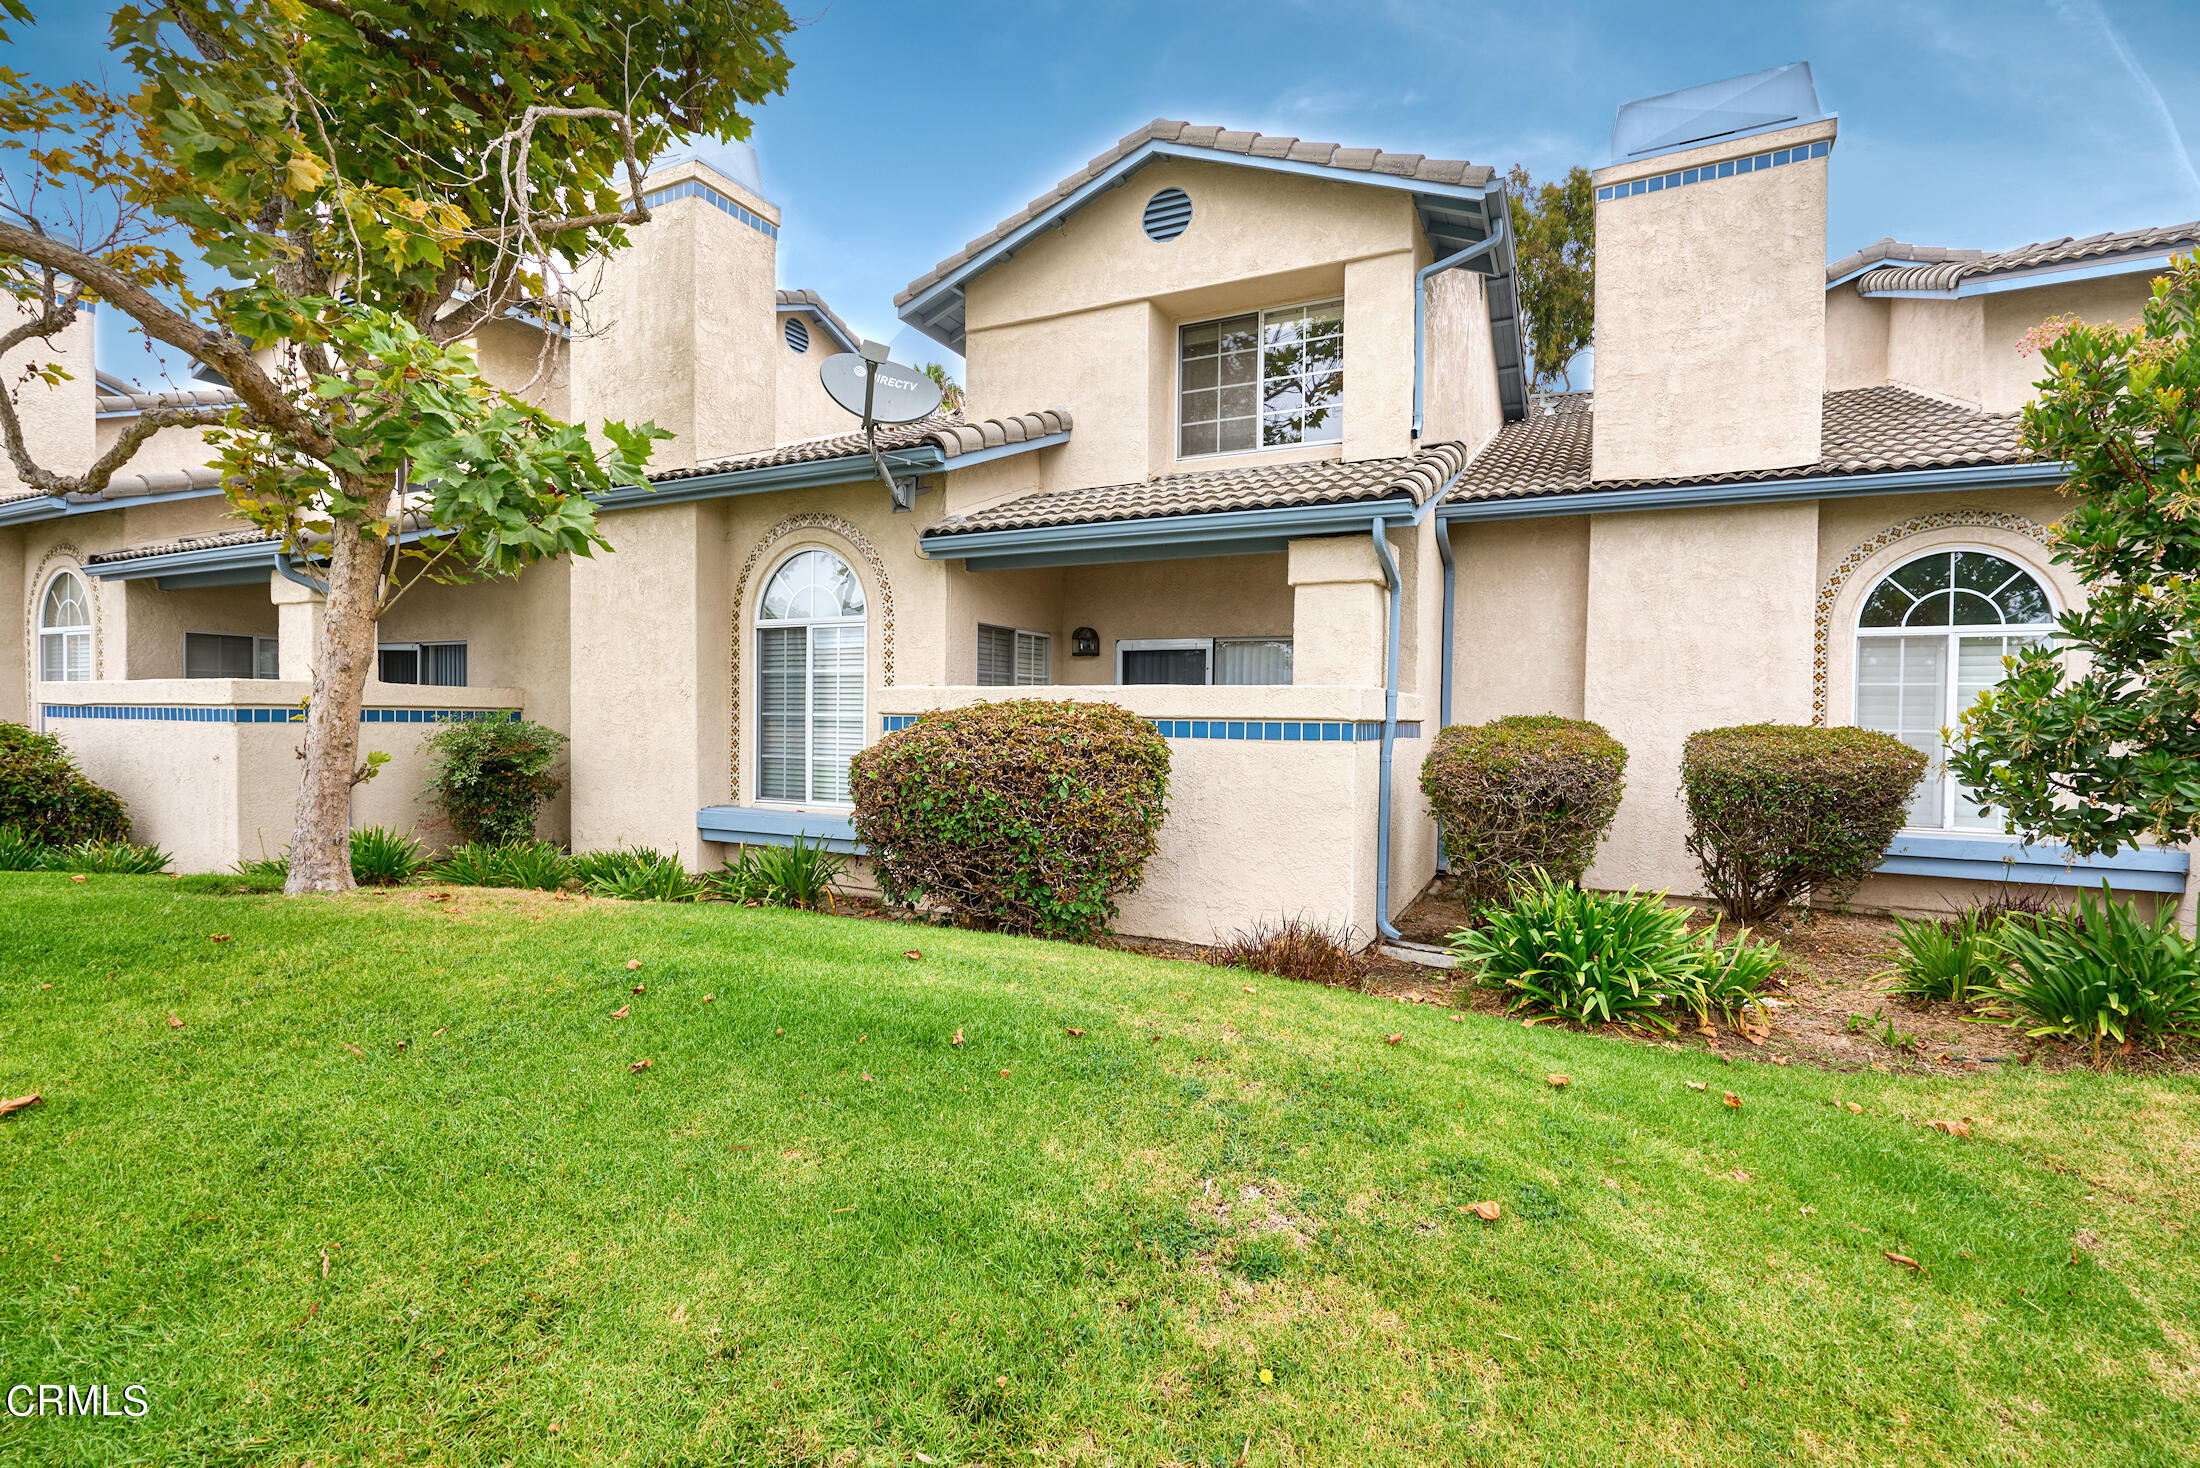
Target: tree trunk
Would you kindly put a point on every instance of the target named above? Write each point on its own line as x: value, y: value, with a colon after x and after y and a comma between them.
x: 320, y: 842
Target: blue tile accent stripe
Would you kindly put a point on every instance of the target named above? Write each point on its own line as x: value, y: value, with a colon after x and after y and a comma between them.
x: 1271, y: 731
x: 1756, y: 163
x: 168, y: 713
x: 695, y: 189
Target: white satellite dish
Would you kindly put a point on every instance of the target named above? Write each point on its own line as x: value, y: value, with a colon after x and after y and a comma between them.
x: 879, y: 391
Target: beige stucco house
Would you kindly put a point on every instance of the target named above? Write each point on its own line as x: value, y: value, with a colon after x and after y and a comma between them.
x: 1247, y: 449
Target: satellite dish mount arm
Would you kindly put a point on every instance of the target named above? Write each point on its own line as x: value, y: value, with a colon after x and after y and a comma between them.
x: 904, y: 496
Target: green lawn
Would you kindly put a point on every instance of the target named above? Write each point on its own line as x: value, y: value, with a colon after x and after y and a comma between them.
x: 1220, y: 1227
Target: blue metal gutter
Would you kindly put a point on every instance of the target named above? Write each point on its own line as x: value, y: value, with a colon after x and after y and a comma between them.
x: 1499, y: 229
x: 1383, y: 925
x: 55, y: 507
x: 2042, y: 475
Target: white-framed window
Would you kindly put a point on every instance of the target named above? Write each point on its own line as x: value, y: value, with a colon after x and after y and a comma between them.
x: 1929, y: 638
x: 436, y: 664
x: 1009, y: 657
x: 1243, y: 661
x: 1267, y: 379
x: 230, y: 655
x: 810, y: 677
x: 65, y: 630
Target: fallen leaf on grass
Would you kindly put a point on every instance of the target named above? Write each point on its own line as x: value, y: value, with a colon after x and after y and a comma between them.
x: 432, y: 1034
x: 1858, y: 1110
x: 1248, y: 988
x: 1004, y: 1074
x: 1392, y: 1039
x: 1487, y: 1212
x: 404, y: 1044
x: 849, y: 1209
x: 1780, y: 1059
x: 640, y: 988
x: 217, y: 938
x: 439, y: 897
x: 922, y: 1457
x: 621, y: 1011
x: 1736, y: 1176
x: 706, y: 998
x: 1558, y: 1082
x: 17, y: 1103
x: 1952, y: 1128
x: 958, y: 1037
x: 1698, y: 1086
x: 914, y: 955
x: 1457, y: 1019
x: 1904, y: 1260
x: 1730, y: 1098
x: 641, y: 1065
x: 1074, y: 1031
x: 354, y: 1049
x: 633, y: 964
x: 865, y: 1074
x: 174, y: 1023
x: 779, y: 1032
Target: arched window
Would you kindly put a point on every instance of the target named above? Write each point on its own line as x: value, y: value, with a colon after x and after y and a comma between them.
x: 809, y: 679
x: 65, y: 631
x: 1932, y: 636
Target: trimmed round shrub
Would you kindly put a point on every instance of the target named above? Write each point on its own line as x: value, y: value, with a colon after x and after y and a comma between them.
x: 1026, y: 815
x: 1777, y: 810
x: 1520, y: 794
x: 47, y: 799
x: 491, y: 777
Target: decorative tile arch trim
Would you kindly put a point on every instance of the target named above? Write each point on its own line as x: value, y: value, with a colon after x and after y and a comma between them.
x: 62, y: 555
x: 1829, y: 593
x: 880, y: 615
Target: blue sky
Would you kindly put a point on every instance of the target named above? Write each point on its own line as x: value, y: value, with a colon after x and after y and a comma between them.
x: 909, y: 128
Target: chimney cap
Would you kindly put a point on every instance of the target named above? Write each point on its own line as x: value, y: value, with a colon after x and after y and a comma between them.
x: 1784, y: 96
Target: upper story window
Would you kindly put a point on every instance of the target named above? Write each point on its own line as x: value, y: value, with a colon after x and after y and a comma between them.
x: 65, y: 631
x: 1929, y: 640
x: 1265, y: 380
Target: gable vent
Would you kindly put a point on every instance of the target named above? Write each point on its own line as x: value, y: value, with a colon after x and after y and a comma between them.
x: 798, y: 335
x: 1167, y: 214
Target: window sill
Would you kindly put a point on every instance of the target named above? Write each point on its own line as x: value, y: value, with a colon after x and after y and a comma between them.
x: 1984, y: 857
x: 754, y: 825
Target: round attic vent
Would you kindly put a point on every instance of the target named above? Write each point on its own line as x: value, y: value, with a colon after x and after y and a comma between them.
x: 798, y: 335
x: 1167, y: 214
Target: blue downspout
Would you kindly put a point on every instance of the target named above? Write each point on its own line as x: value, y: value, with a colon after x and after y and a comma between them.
x: 1420, y: 304
x: 1383, y: 924
x: 1443, y: 677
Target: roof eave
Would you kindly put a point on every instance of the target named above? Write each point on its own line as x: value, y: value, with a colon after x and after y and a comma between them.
x: 936, y: 310
x: 1198, y: 533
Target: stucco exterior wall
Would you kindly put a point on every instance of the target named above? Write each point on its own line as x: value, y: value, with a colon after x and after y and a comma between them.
x: 1696, y: 619
x: 801, y: 406
x: 1521, y: 608
x: 1218, y: 596
x: 14, y: 650
x: 2007, y: 373
x: 1710, y: 315
x: 684, y: 315
x: 1085, y: 317
x: 211, y: 794
x: 154, y: 622
x: 1935, y: 346
x: 1856, y: 339
x: 1459, y: 402
x: 55, y: 417
x: 527, y: 362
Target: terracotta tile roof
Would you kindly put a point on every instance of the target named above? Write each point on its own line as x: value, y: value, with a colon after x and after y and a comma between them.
x: 132, y: 401
x: 1221, y: 141
x: 182, y: 543
x: 1865, y: 430
x: 1250, y: 487
x: 812, y: 301
x: 951, y: 436
x: 1943, y: 270
x: 1887, y: 248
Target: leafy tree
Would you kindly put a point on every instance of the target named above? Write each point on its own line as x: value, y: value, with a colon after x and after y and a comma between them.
x: 379, y: 181
x: 1555, y: 244
x: 2101, y: 748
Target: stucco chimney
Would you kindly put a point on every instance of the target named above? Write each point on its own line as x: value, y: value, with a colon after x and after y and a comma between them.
x: 682, y: 326
x: 1711, y: 280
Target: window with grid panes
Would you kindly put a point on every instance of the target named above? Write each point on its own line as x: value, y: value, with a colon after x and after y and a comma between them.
x: 1267, y: 379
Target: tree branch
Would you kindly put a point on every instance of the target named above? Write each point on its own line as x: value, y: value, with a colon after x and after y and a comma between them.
x: 222, y: 351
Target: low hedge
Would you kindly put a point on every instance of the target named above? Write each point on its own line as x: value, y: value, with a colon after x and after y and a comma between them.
x: 1027, y: 815
x: 492, y: 776
x: 1519, y: 794
x: 47, y: 799
x: 1778, y: 810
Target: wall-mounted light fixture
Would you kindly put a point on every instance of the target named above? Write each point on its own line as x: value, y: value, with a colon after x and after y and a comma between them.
x: 1084, y: 643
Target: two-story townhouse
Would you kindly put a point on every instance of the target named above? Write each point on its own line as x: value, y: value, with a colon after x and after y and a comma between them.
x: 1247, y: 449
